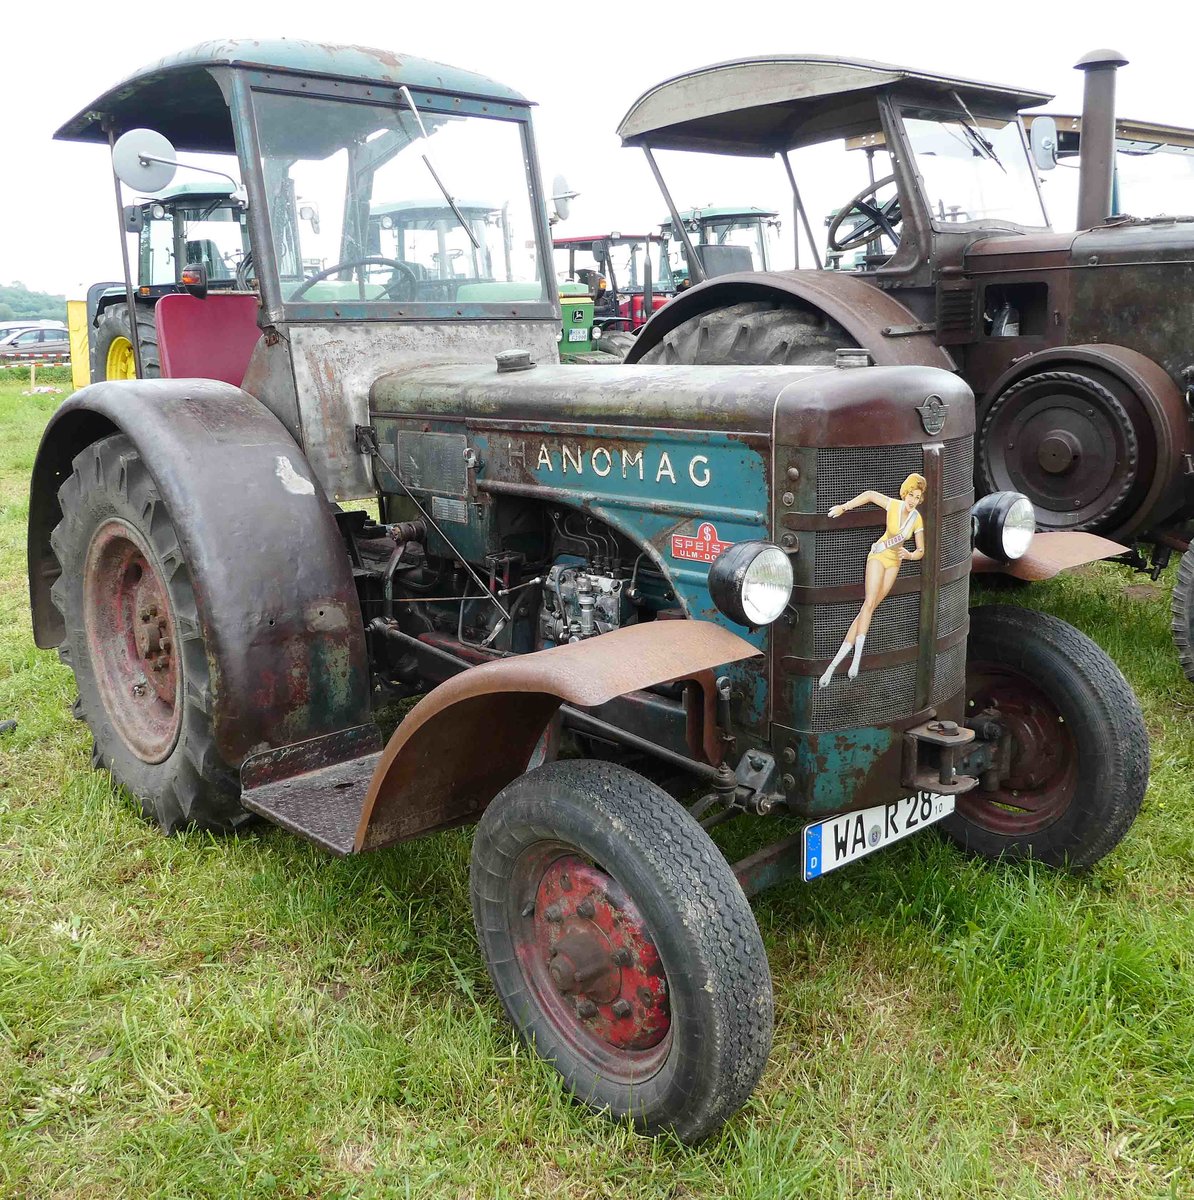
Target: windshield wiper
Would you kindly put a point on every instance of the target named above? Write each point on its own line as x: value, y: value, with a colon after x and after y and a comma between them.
x: 970, y: 125
x: 404, y: 92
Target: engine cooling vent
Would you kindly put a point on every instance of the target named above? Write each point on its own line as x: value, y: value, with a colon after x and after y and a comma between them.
x: 955, y: 315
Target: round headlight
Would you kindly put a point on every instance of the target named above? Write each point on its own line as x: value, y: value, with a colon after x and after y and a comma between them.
x: 596, y: 332
x: 1004, y: 524
x: 751, y: 582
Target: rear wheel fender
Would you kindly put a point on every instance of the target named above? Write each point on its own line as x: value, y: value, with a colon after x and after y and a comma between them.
x: 273, y: 584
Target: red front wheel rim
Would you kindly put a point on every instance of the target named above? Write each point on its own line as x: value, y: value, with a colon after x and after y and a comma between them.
x: 131, y: 637
x: 591, y: 963
x: 1043, y: 776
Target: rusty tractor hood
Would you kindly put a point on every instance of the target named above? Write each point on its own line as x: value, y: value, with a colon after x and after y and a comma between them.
x: 1119, y: 240
x: 732, y: 399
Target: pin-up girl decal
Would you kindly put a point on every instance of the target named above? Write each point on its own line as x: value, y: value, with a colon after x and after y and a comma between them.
x: 883, y: 562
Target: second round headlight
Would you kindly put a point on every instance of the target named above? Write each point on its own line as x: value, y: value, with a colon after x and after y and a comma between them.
x: 751, y: 582
x: 1004, y: 525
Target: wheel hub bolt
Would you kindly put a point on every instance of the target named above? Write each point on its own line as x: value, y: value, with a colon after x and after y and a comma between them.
x: 586, y: 1009
x: 566, y: 882
x: 620, y: 957
x: 586, y: 908
x: 620, y: 1008
x: 552, y: 913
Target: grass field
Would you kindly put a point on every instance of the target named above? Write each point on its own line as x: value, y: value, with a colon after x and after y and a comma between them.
x: 249, y: 1017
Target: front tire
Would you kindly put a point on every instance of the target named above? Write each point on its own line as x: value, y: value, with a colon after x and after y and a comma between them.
x: 134, y: 643
x: 1079, y: 750
x: 622, y: 947
x: 1182, y: 613
x: 112, y: 345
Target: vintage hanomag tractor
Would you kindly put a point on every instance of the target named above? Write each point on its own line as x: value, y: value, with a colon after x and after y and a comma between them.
x: 1077, y: 345
x: 675, y: 563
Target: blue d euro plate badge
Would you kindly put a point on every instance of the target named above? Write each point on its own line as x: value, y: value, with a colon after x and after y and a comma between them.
x: 838, y: 841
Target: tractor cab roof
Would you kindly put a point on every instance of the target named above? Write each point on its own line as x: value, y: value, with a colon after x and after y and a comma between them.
x: 767, y: 105
x: 179, y: 95
x: 203, y: 191
x: 725, y: 213
x: 616, y: 239
x: 430, y: 209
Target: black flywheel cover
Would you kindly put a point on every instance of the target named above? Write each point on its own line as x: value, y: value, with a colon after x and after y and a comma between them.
x: 1069, y: 444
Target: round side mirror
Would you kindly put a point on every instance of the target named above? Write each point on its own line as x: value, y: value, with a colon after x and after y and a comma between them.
x: 562, y: 197
x: 144, y: 160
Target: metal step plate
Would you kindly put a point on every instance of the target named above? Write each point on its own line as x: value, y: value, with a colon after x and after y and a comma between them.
x: 317, y: 788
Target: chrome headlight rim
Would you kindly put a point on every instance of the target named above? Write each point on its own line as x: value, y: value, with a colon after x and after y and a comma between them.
x: 1004, y: 524
x: 751, y: 583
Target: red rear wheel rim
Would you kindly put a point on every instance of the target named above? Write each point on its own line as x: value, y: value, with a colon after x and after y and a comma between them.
x: 1043, y: 777
x: 590, y: 962
x: 130, y: 628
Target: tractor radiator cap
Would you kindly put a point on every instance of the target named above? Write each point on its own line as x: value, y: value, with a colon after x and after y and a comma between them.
x: 514, y: 360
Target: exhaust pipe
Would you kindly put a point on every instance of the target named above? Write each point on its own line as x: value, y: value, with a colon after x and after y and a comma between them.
x: 1096, y: 163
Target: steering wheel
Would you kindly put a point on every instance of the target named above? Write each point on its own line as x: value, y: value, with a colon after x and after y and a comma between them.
x: 878, y: 218
x: 409, y: 278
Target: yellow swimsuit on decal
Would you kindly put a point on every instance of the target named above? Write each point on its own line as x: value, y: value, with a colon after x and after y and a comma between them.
x: 887, y: 549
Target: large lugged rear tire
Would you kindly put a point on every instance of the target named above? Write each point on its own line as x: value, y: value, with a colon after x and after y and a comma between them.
x: 134, y: 643
x: 622, y: 947
x: 753, y: 333
x: 1079, y: 754
x: 112, y: 350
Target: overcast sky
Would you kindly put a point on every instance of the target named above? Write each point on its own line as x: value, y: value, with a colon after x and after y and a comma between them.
x: 584, y: 64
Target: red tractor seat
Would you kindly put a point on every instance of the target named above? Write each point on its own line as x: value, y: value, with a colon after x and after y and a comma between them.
x: 211, y: 338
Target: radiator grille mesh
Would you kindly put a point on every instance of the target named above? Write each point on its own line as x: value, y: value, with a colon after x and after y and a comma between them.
x: 843, y: 472
x: 954, y: 543
x: 957, y: 471
x: 953, y: 603
x: 871, y: 699
x: 895, y: 627
x: 949, y: 673
x: 841, y: 556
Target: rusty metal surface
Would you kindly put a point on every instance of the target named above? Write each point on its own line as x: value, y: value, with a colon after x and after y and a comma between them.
x: 499, y: 710
x: 862, y: 309
x: 336, y: 363
x: 761, y: 106
x: 1050, y: 554
x: 277, y: 605
x: 323, y: 805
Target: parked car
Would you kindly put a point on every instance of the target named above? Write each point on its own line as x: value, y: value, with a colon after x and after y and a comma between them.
x: 10, y: 327
x: 36, y: 343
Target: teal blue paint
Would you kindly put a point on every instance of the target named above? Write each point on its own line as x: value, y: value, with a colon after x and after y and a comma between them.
x: 829, y: 766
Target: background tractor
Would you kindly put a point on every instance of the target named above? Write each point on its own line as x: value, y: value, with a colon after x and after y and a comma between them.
x: 726, y: 239
x: 628, y: 276
x: 662, y: 565
x: 1077, y: 345
x: 187, y: 223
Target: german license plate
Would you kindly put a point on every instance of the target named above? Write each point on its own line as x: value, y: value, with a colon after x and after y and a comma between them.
x: 578, y: 335
x: 841, y: 840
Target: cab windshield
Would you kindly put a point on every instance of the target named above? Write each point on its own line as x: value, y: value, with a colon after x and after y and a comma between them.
x: 974, y: 170
x: 357, y: 215
x: 620, y: 260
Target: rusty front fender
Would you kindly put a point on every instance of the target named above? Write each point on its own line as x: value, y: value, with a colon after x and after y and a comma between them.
x: 475, y: 733
x: 1049, y: 555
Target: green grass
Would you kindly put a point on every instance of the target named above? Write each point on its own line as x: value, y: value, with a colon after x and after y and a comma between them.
x: 248, y: 1017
